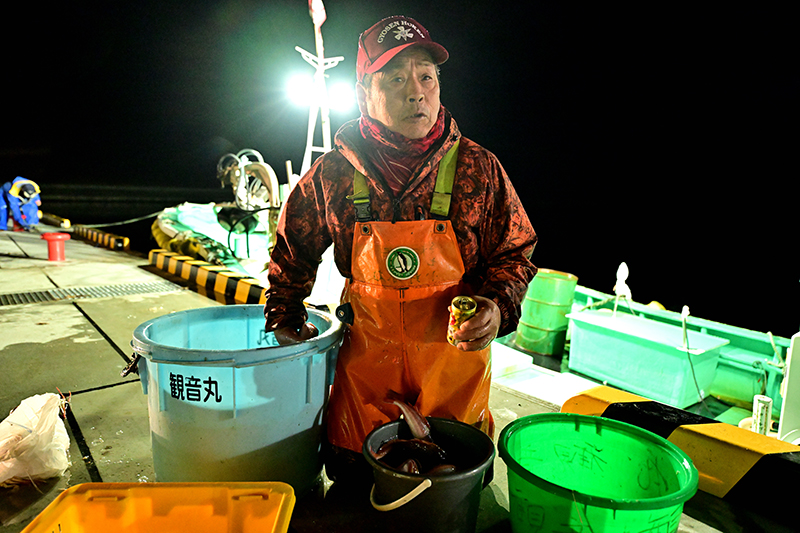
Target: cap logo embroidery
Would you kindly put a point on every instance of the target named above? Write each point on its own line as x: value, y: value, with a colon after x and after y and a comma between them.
x: 402, y: 262
x: 402, y: 33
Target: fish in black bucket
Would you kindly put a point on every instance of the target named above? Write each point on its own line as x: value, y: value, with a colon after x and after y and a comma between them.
x: 448, y: 502
x: 418, y: 455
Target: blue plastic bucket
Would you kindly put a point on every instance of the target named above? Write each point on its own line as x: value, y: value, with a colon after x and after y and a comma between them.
x: 227, y: 403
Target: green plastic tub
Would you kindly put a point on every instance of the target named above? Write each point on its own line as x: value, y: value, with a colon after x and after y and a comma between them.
x: 553, y: 286
x: 540, y: 341
x: 569, y: 472
x: 543, y: 325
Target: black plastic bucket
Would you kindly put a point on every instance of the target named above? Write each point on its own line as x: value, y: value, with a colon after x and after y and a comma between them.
x: 446, y: 503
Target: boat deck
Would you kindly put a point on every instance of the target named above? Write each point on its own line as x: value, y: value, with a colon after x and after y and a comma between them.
x: 68, y: 326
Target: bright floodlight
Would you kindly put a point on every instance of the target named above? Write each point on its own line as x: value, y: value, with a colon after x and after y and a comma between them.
x: 302, y: 93
x: 301, y: 89
x: 341, y: 97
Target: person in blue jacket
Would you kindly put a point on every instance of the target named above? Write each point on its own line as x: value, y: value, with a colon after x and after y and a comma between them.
x: 20, y: 199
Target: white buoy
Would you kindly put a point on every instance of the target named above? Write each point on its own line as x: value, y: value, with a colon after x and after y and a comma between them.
x: 621, y: 289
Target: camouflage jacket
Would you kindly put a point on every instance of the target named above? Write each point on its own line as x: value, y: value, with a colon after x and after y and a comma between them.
x: 493, y: 231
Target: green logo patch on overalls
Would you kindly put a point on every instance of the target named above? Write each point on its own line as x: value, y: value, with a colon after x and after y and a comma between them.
x: 402, y: 262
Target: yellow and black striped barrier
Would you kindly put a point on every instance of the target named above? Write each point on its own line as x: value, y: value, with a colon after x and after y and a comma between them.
x: 746, y: 470
x: 107, y: 240
x: 53, y: 220
x: 211, y: 280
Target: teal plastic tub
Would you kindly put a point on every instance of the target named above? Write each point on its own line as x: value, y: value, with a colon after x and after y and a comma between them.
x: 569, y: 472
x: 644, y: 356
x: 744, y: 363
x: 227, y: 403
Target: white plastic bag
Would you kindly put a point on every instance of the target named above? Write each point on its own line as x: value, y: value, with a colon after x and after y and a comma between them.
x: 33, y: 440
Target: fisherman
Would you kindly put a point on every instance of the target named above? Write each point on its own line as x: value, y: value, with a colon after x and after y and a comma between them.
x: 20, y: 199
x: 417, y: 215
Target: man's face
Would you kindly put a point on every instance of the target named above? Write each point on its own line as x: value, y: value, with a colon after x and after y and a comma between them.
x: 404, y: 95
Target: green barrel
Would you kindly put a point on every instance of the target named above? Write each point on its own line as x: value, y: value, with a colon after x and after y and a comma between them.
x: 543, y: 326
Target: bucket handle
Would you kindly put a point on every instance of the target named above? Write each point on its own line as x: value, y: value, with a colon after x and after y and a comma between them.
x: 213, y: 362
x: 226, y: 362
x: 312, y: 350
x: 416, y: 491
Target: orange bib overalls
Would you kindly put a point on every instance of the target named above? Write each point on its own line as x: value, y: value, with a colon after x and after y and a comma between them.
x: 404, y: 276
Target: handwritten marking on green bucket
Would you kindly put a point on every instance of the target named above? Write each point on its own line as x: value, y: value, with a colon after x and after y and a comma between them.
x: 584, y: 473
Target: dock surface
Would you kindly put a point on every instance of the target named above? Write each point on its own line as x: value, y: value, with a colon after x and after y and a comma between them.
x: 66, y: 327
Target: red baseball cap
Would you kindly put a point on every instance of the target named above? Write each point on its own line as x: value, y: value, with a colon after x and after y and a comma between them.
x: 384, y: 40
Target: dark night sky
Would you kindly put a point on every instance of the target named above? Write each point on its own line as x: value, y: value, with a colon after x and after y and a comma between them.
x: 661, y: 134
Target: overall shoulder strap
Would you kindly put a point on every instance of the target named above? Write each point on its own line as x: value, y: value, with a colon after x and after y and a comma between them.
x: 440, y: 205
x: 442, y: 193
x: 360, y: 197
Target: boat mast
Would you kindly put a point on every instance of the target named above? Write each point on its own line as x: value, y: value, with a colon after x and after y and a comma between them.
x: 319, y: 105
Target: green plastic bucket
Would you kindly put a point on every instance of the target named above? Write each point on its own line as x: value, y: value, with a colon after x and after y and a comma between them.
x: 569, y: 472
x: 539, y: 340
x: 542, y: 328
x: 444, y: 503
x: 227, y: 403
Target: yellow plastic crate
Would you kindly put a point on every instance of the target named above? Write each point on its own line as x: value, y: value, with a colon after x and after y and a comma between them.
x: 168, y: 507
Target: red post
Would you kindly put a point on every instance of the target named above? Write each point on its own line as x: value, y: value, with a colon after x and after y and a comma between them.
x: 55, y: 245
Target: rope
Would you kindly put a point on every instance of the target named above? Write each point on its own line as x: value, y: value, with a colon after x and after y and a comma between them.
x: 130, y: 221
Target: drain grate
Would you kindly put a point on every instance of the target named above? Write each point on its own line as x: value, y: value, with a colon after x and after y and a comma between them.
x: 54, y: 295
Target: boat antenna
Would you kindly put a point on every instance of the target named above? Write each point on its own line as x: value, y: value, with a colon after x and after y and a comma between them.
x: 319, y: 104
